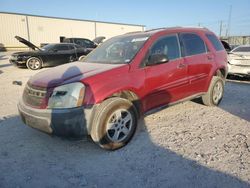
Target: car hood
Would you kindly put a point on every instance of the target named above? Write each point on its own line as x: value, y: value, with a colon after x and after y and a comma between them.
x: 68, y: 73
x: 27, y: 43
x: 28, y: 53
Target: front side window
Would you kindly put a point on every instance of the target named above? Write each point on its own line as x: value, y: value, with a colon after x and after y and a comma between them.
x: 192, y: 44
x: 168, y: 46
x: 121, y: 49
x: 71, y: 47
x: 61, y: 47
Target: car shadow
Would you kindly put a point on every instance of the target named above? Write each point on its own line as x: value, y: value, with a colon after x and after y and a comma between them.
x: 30, y: 158
x: 5, y: 65
x: 3, y: 57
x: 235, y: 100
x: 2, y: 48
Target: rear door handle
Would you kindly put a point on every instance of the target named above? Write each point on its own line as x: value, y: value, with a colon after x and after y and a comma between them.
x: 181, y: 66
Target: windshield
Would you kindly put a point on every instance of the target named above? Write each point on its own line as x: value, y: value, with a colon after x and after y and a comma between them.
x: 121, y: 49
x: 47, y: 47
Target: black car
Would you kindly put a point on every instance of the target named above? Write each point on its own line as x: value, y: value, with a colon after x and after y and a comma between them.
x: 85, y: 43
x: 47, y: 56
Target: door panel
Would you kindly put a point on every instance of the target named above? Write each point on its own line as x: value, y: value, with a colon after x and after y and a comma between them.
x: 199, y: 67
x: 61, y: 55
x: 198, y: 60
x: 167, y: 82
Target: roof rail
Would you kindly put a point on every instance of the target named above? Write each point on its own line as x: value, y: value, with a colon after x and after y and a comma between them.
x: 133, y: 32
x: 156, y: 29
x: 191, y: 26
x: 162, y: 28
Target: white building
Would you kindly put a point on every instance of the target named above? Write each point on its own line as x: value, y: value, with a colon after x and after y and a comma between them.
x: 43, y: 29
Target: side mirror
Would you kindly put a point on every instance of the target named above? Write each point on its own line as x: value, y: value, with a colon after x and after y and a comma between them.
x: 157, y: 59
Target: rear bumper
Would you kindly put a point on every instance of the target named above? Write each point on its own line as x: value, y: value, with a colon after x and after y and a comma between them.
x: 74, y: 122
x: 238, y: 70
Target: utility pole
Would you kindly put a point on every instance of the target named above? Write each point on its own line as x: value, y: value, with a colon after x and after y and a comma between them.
x: 221, y: 27
x: 229, y: 21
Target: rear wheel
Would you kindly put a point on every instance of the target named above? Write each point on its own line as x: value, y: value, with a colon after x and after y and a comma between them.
x: 215, y: 92
x: 114, y: 124
x: 34, y: 63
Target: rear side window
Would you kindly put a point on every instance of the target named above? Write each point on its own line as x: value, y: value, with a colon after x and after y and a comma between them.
x: 66, y: 40
x: 215, y: 42
x: 192, y: 44
x: 168, y: 45
x: 85, y: 43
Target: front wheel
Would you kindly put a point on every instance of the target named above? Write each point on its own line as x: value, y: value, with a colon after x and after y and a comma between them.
x: 215, y: 92
x: 34, y: 63
x: 114, y: 124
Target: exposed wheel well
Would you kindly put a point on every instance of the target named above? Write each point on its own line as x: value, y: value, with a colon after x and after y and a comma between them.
x: 221, y: 73
x: 132, y: 97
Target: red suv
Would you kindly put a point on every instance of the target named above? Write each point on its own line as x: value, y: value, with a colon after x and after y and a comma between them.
x: 126, y: 76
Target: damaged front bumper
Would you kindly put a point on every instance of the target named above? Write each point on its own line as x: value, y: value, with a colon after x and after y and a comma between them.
x: 73, y: 122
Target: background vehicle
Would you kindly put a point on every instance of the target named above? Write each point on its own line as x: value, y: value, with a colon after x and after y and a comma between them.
x: 85, y: 43
x: 239, y: 61
x: 49, y: 55
x: 124, y: 78
x: 226, y: 46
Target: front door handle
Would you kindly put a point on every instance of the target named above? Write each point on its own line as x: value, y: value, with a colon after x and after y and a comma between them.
x: 210, y: 57
x: 181, y: 66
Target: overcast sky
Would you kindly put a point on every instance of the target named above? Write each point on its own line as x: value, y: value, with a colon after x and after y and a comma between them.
x: 151, y: 13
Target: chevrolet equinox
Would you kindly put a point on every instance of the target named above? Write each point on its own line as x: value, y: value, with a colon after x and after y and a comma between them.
x: 128, y: 75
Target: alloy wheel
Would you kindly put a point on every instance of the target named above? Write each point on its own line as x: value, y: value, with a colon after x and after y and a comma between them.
x: 119, y: 125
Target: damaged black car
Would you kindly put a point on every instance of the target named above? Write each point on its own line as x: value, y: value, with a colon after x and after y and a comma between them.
x: 47, y: 56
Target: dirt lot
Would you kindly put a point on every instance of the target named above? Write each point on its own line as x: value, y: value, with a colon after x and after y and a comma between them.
x: 186, y: 145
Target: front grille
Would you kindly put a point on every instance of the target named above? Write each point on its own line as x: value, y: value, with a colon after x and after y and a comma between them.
x: 34, y: 96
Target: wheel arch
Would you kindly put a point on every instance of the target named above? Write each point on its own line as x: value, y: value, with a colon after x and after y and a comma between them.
x: 130, y: 96
x: 38, y: 57
x: 221, y: 72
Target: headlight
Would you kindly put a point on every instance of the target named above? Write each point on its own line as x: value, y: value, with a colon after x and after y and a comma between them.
x: 67, y: 96
x: 24, y: 57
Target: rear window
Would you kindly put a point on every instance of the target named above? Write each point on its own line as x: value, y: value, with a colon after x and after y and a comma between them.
x: 193, y: 44
x: 215, y: 42
x: 66, y: 40
x: 242, y: 49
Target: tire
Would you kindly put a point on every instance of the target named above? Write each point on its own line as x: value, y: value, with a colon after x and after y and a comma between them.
x: 114, y: 123
x: 34, y: 63
x: 81, y: 57
x: 215, y: 92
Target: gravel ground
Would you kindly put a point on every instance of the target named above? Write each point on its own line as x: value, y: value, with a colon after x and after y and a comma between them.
x: 186, y: 145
